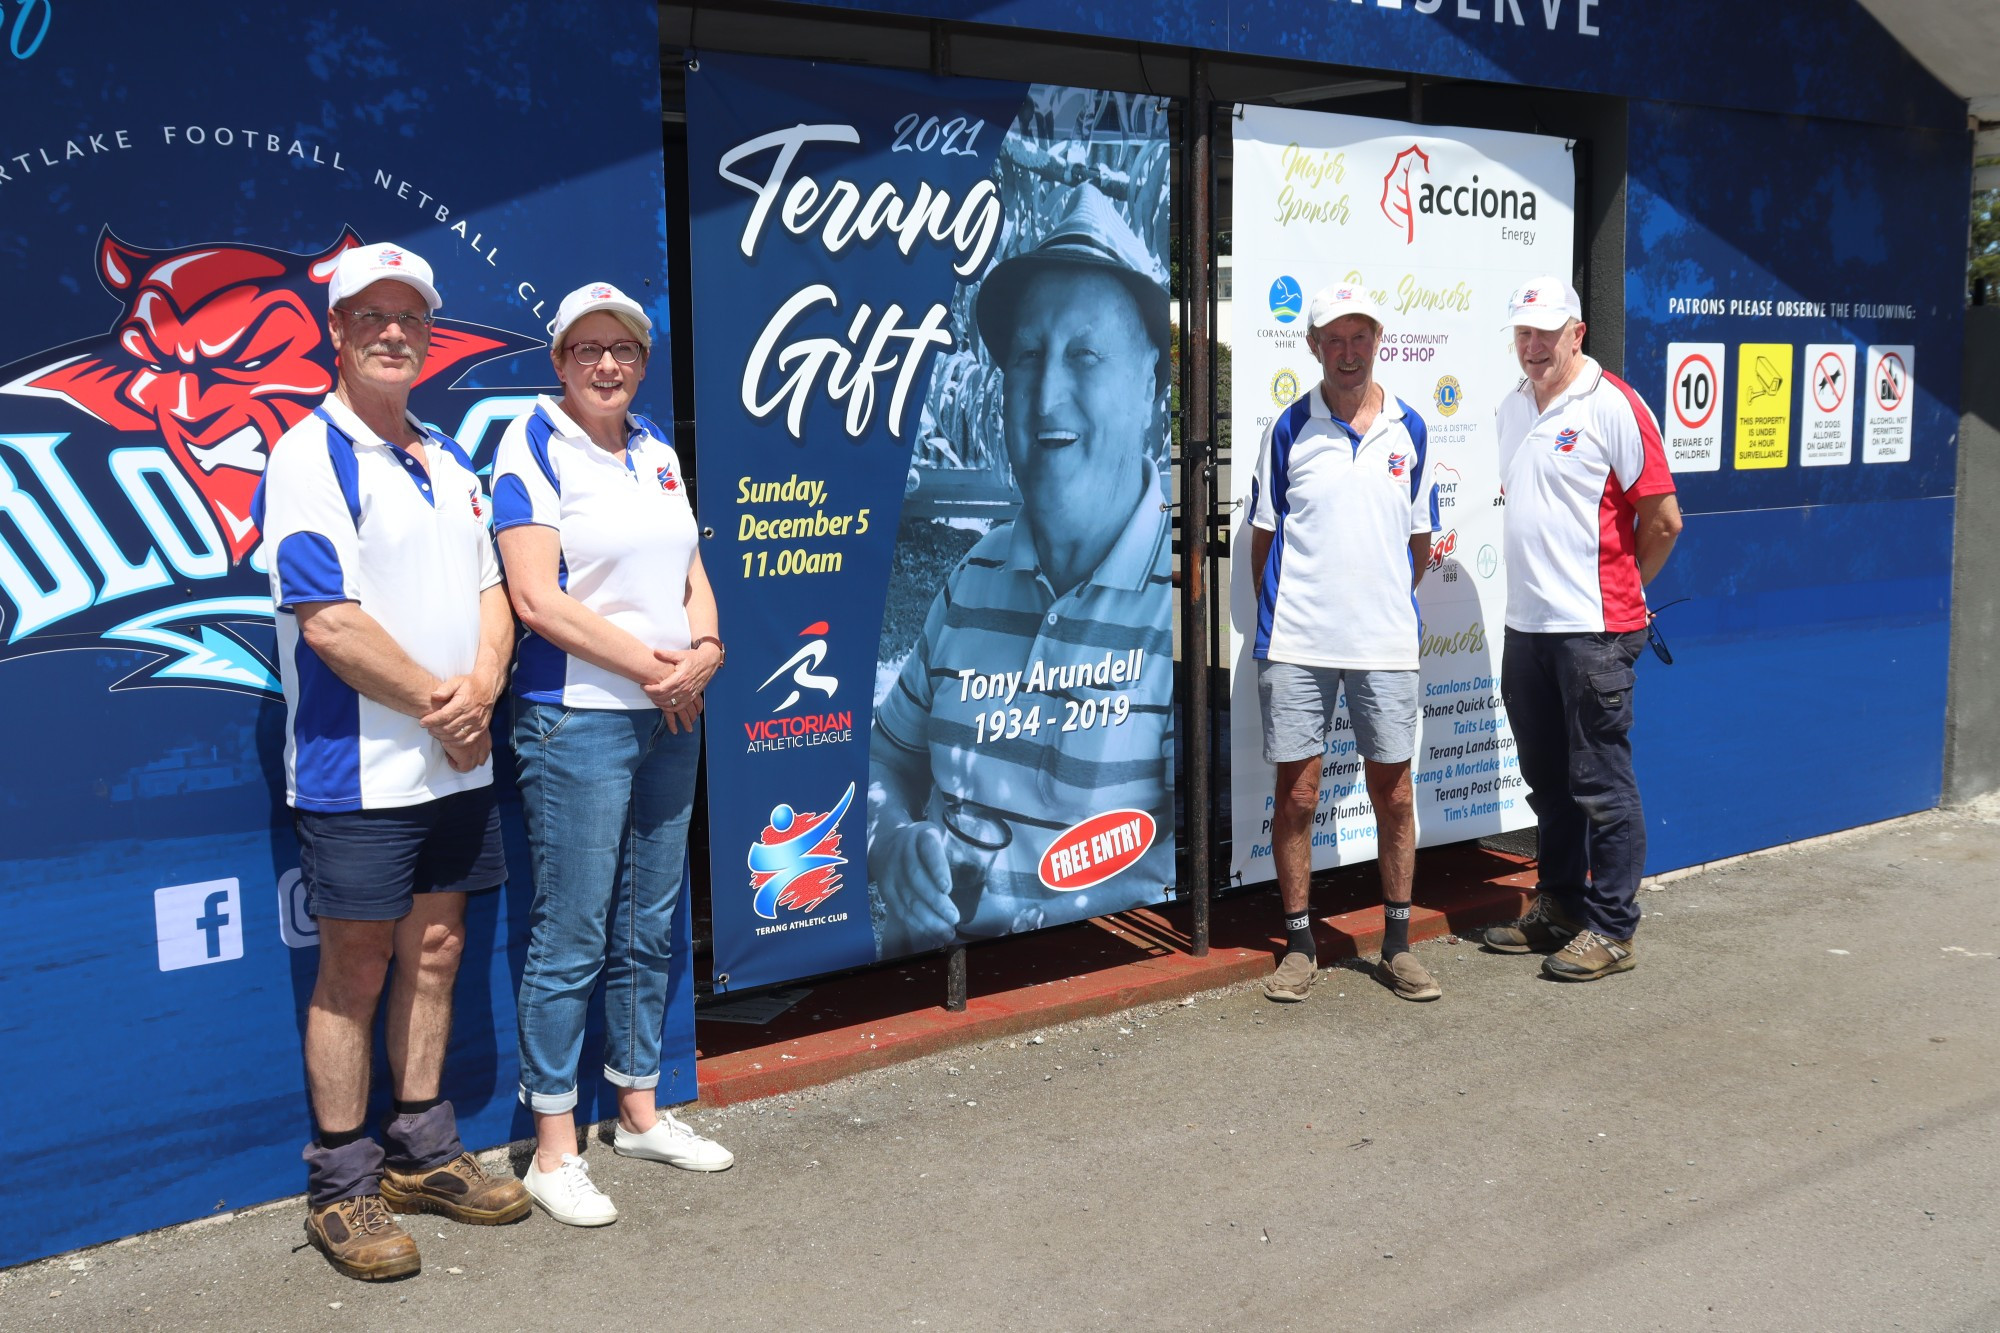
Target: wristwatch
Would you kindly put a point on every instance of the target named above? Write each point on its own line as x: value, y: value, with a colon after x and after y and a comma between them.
x: 723, y: 653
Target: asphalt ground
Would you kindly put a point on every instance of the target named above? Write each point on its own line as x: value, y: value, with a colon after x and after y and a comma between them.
x: 1785, y: 1118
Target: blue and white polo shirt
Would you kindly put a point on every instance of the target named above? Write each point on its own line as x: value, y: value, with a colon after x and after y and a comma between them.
x: 1337, y: 588
x: 628, y: 537
x: 348, y: 517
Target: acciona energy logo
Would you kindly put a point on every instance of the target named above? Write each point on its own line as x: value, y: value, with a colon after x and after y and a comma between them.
x: 1408, y: 193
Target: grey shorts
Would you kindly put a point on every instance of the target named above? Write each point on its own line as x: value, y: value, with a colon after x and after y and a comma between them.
x: 1298, y: 704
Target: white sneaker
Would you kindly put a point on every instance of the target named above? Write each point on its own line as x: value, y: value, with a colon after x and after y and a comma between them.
x: 567, y: 1194
x: 674, y: 1143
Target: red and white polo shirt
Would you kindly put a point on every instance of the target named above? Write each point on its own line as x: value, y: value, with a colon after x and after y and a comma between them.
x: 1571, y: 475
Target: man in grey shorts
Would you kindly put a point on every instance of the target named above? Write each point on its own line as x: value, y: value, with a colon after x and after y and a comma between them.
x: 1342, y: 509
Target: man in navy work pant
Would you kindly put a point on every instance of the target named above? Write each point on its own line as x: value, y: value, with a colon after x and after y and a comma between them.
x: 1591, y: 518
x: 393, y: 641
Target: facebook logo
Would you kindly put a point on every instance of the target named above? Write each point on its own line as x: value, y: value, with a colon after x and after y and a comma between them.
x: 198, y: 923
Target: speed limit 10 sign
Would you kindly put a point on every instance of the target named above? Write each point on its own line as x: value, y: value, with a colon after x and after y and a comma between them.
x: 1691, y: 430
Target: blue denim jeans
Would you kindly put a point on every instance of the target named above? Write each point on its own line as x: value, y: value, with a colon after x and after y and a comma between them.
x: 1569, y: 702
x: 606, y: 793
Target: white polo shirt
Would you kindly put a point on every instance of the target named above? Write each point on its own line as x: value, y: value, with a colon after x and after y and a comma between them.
x: 347, y: 517
x: 1337, y: 590
x: 628, y: 536
x: 1570, y: 476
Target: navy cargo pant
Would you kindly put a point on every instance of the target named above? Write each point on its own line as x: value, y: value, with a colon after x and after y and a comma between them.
x: 1569, y: 701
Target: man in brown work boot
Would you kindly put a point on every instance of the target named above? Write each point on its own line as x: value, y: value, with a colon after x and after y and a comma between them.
x: 393, y: 640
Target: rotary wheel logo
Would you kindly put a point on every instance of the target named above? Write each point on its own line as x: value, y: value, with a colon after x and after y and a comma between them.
x: 1284, y: 388
x: 1448, y: 395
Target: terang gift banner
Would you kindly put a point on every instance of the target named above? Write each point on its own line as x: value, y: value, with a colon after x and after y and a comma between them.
x: 1438, y: 226
x: 932, y: 356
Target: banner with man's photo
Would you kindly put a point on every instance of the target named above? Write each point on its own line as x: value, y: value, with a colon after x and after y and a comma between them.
x: 933, y: 348
x: 1438, y: 226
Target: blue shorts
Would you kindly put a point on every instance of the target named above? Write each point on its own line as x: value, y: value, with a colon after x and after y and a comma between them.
x: 369, y: 865
x: 1299, y: 704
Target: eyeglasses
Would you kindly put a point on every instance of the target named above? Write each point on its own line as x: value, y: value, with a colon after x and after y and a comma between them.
x: 410, y: 320
x: 1653, y: 639
x: 624, y: 353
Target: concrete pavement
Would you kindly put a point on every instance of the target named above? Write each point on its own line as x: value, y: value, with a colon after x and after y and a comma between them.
x: 1784, y: 1118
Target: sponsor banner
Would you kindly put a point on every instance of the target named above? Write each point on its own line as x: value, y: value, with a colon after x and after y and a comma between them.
x: 1439, y: 226
x: 931, y: 378
x: 171, y: 239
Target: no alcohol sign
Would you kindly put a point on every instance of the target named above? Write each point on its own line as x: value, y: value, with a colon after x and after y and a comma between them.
x: 1692, y: 427
x: 1826, y: 435
x: 1888, y: 397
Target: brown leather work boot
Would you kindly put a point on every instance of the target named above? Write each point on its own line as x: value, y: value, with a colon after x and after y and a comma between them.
x: 359, y: 1238
x: 459, y: 1190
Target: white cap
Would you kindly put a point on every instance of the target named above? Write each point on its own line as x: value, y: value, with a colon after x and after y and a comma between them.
x: 1330, y: 303
x: 1545, y: 303
x: 361, y: 265
x: 599, y: 296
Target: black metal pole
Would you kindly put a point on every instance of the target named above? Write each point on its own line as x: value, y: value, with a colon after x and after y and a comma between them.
x: 1197, y: 462
x: 954, y: 979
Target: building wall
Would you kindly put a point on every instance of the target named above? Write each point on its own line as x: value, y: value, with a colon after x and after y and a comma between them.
x: 1972, y: 715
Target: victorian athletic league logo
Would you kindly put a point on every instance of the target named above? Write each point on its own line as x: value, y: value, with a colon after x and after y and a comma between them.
x: 128, y: 459
x: 795, y: 865
x: 1566, y: 440
x: 798, y: 678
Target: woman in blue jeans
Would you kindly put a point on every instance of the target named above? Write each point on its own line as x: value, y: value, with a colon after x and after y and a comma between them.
x: 598, y: 541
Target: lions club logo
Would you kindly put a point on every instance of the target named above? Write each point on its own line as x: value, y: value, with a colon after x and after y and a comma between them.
x: 1447, y: 396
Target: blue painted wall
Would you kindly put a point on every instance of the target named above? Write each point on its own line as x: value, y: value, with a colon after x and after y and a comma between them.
x: 130, y: 764
x: 1808, y: 692
x: 1813, y: 57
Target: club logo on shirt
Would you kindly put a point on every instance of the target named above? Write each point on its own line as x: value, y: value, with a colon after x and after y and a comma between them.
x: 668, y: 482
x: 1398, y: 465
x: 794, y: 864
x: 1566, y: 441
x: 478, y: 510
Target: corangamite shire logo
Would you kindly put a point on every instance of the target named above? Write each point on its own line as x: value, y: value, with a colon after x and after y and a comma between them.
x: 1405, y: 199
x: 128, y: 459
x: 794, y: 864
x: 1287, y: 300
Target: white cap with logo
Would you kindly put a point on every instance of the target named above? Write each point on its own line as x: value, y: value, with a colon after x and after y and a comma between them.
x: 1545, y: 303
x: 1330, y: 303
x: 600, y: 296
x: 362, y: 265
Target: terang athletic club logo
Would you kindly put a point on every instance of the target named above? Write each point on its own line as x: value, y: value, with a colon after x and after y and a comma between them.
x: 128, y: 459
x: 794, y: 864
